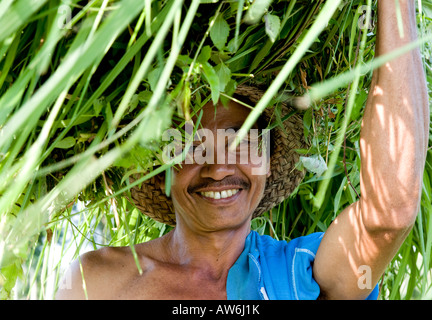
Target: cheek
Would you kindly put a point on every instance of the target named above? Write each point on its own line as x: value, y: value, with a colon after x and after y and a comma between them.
x: 256, y: 193
x: 261, y: 183
x: 178, y: 193
x: 181, y: 179
x: 257, y: 181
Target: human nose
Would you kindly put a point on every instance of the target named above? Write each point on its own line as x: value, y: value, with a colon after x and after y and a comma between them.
x: 222, y: 168
x: 217, y: 171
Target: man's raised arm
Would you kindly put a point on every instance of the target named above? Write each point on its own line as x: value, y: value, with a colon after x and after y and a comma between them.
x: 366, y: 236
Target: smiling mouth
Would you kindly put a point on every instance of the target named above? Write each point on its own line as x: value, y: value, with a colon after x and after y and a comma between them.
x: 220, y: 194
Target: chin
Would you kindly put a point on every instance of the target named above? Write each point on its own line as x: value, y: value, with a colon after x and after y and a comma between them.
x: 225, y: 219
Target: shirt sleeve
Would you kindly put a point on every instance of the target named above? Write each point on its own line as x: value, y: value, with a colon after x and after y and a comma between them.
x: 304, y: 250
x: 277, y: 270
x: 286, y: 267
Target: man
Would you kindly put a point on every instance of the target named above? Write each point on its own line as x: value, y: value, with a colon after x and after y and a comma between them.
x: 212, y: 254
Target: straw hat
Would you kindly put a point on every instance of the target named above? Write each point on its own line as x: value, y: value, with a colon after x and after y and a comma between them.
x: 151, y: 200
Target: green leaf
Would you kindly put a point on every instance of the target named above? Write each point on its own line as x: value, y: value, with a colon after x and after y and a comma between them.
x: 224, y: 74
x: 314, y: 164
x: 256, y: 11
x: 97, y: 106
x: 219, y: 32
x: 259, y: 57
x: 153, y: 77
x: 272, y: 26
x: 307, y: 122
x: 155, y: 124
x: 66, y: 143
x: 213, y: 80
x: 359, y: 104
x: 168, y: 178
x: 205, y: 54
x: 138, y: 157
x: 337, y: 199
x: 8, y: 277
x: 427, y: 8
x: 144, y: 96
x: 17, y: 15
x: 133, y: 103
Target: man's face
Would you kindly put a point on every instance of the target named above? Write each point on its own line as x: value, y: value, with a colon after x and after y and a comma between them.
x: 213, y: 192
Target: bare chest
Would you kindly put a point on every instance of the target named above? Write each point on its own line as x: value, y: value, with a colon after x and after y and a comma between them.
x: 166, y: 284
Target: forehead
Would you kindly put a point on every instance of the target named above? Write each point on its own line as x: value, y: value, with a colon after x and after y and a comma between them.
x: 220, y: 116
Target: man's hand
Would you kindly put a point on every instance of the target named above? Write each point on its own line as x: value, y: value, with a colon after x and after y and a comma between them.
x: 393, y: 150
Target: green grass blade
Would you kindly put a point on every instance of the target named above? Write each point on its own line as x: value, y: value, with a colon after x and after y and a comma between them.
x: 320, y: 23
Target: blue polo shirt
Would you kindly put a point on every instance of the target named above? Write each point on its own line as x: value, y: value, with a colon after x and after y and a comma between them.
x: 269, y: 269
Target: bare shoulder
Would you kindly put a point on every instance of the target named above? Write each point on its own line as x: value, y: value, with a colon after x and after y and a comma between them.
x: 101, y: 273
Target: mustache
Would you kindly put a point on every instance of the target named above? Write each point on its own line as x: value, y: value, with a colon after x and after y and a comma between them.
x: 210, y: 183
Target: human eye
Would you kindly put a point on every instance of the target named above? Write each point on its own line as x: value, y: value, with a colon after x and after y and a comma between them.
x: 237, y: 143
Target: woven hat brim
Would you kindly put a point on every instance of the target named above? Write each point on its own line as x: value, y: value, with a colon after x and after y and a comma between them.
x: 150, y: 199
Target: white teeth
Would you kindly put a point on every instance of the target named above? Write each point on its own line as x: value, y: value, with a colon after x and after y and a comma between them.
x: 220, y: 195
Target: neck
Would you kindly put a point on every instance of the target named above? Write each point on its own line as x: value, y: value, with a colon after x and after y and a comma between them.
x: 212, y: 253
